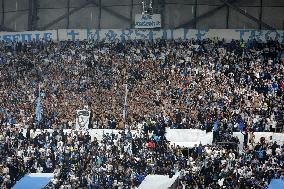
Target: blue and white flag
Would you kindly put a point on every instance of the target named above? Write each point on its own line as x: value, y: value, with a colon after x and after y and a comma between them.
x: 38, y: 109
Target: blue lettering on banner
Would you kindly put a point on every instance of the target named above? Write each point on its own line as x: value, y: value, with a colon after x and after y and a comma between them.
x: 151, y: 35
x: 47, y: 36
x: 26, y: 37
x: 16, y: 37
x: 126, y: 36
x: 171, y: 34
x: 73, y: 34
x: 201, y: 33
x: 166, y: 34
x: 255, y: 34
x: 185, y: 32
x: 268, y: 37
x: 29, y: 37
x: 144, y: 34
x: 242, y: 33
x: 111, y: 35
x: 93, y: 36
x: 37, y: 35
x: 7, y: 38
x: 138, y: 34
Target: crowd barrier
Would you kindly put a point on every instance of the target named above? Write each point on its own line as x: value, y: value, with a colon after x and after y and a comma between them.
x: 182, y: 137
x: 188, y: 137
x: 110, y: 35
x: 94, y: 133
x: 278, y: 137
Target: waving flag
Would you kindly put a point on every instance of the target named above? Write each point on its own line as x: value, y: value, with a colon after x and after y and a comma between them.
x: 38, y: 109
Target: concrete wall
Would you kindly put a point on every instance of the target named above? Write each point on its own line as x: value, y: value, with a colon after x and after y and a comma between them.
x: 174, y: 13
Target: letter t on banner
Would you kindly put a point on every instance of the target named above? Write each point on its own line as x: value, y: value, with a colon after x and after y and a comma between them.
x: 73, y: 34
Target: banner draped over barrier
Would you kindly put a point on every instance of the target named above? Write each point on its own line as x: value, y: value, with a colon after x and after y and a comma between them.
x: 188, y: 137
x: 181, y: 137
x: 29, y: 36
x: 110, y: 35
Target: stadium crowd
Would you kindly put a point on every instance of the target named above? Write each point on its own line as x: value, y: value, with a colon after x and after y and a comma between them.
x: 123, y: 161
x: 208, y: 84
x: 187, y: 84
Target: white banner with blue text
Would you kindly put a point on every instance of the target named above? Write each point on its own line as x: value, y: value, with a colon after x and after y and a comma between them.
x: 28, y: 36
x: 148, y: 21
x: 111, y: 35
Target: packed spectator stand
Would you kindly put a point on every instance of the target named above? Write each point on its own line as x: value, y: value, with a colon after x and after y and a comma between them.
x: 211, y: 85
x: 188, y: 84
